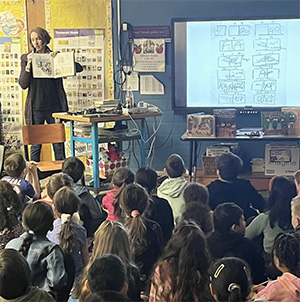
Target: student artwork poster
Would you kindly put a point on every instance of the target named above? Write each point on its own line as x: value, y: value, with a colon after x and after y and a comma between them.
x: 89, y: 47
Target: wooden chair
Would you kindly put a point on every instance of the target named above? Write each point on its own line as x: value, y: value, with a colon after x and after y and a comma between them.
x: 44, y: 134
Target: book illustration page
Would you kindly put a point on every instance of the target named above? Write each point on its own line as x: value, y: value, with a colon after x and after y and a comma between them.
x: 42, y: 66
x: 64, y: 65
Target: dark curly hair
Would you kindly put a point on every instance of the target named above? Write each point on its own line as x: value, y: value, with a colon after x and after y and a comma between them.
x: 10, y: 206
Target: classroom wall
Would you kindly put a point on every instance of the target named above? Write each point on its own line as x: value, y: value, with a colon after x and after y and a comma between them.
x: 160, y: 12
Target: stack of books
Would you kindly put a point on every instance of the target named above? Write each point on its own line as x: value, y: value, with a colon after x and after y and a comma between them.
x: 106, y: 105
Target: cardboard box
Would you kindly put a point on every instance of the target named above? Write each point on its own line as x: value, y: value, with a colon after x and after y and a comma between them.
x: 107, y: 168
x: 274, y: 123
x: 199, y: 125
x: 293, y: 119
x: 209, y: 164
x: 281, y: 159
x: 225, y: 122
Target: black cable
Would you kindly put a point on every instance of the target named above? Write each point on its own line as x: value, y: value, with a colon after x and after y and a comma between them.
x: 168, y: 135
x: 134, y: 155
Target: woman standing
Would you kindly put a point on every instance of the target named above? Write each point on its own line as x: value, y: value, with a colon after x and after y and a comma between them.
x: 45, y: 95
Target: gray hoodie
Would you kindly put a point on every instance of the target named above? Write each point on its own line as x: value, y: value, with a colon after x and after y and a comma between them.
x: 172, y: 189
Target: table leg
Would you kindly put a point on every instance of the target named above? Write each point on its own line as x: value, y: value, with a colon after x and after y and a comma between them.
x: 72, y: 138
x: 95, y: 155
x: 191, y: 160
x: 143, y: 145
x: 195, y: 160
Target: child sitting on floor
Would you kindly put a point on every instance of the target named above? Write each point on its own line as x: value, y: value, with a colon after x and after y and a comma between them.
x: 295, y: 211
x: 10, y: 208
x: 181, y: 274
x: 228, y: 239
x: 230, y: 188
x: 45, y: 258
x: 110, y: 202
x: 15, y: 280
x: 145, y: 234
x: 230, y: 280
x: 286, y: 252
x: 67, y: 232
x: 55, y: 182
x: 17, y: 168
x: 159, y: 208
x: 107, y: 273
x: 90, y: 210
x: 196, y: 199
x: 172, y: 188
x: 297, y: 181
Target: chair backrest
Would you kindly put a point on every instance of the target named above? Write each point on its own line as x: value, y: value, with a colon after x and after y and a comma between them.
x: 43, y: 134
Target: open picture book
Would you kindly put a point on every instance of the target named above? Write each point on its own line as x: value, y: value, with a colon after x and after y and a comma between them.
x: 45, y: 66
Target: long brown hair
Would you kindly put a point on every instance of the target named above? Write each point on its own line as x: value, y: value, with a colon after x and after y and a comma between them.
x: 135, y: 198
x: 110, y: 238
x: 66, y: 201
x: 185, y: 261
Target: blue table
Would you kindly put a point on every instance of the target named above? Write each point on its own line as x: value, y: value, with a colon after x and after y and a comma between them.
x: 94, y: 139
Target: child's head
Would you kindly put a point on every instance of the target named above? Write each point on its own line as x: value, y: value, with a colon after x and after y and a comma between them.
x: 134, y: 201
x: 229, y: 217
x: 286, y: 253
x: 122, y: 177
x: 107, y: 273
x: 195, y: 192
x: 37, y: 219
x: 282, y: 192
x: 66, y: 201
x: 295, y: 209
x: 297, y: 178
x: 175, y: 166
x: 196, y: 206
x: 230, y: 280
x: 110, y: 238
x: 57, y: 181
x: 10, y: 206
x: 15, y: 274
x: 74, y: 167
x: 187, y: 255
x: 66, y: 204
x: 229, y: 166
x: 147, y: 178
x: 15, y: 165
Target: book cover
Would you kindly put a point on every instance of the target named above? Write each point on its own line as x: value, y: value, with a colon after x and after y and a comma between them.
x: 293, y: 119
x: 200, y: 125
x: 274, y: 123
x: 45, y: 66
x: 225, y: 122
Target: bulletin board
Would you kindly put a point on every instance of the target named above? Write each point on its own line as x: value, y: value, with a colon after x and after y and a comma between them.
x: 13, y: 42
x: 84, y: 14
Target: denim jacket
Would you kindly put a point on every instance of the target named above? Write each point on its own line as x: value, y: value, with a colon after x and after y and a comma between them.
x: 45, y: 260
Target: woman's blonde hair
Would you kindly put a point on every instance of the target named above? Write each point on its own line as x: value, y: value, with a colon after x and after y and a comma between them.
x: 110, y: 238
